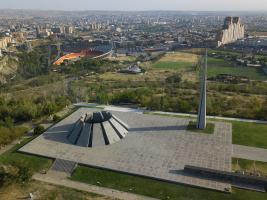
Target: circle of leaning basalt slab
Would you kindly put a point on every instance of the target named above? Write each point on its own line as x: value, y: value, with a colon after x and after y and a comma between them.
x: 97, y: 129
x: 99, y: 117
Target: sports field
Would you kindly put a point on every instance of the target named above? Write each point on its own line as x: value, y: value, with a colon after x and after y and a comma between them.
x: 176, y: 60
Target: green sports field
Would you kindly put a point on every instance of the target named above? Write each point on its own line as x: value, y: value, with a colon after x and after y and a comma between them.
x: 172, y: 65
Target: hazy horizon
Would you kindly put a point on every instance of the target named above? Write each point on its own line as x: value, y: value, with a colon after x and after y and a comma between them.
x: 137, y: 5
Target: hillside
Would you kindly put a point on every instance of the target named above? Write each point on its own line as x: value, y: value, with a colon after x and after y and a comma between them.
x: 8, y: 68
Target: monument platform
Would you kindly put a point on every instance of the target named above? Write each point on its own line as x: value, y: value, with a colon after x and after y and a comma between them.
x: 156, y: 146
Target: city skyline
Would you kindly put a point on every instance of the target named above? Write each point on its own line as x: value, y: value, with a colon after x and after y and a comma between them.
x: 138, y: 5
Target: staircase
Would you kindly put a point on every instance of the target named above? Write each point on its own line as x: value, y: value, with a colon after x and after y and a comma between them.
x: 64, y: 166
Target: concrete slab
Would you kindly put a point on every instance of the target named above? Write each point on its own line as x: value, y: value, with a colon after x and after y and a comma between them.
x: 111, y: 133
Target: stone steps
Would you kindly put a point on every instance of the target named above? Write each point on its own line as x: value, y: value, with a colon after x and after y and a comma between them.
x: 64, y: 166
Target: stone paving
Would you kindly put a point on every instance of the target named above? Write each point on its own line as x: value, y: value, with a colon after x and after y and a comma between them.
x: 250, y: 153
x: 156, y: 147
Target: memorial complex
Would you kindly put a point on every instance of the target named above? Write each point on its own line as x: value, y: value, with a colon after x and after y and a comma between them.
x: 147, y: 145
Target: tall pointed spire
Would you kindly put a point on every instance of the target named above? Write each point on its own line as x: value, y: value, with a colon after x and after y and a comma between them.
x: 201, y: 123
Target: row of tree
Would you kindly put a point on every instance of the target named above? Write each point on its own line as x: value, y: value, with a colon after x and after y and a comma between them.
x: 21, y: 110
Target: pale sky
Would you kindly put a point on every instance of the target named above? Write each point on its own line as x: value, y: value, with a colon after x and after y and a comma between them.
x: 192, y: 5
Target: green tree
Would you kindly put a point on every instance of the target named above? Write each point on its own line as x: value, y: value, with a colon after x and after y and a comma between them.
x: 9, y: 122
x: 174, y: 79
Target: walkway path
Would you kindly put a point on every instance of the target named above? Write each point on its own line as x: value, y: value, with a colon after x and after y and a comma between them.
x: 59, y: 178
x: 210, y: 117
x: 250, y: 153
x: 121, y: 109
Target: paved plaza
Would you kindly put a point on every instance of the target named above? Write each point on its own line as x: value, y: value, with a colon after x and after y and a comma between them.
x: 156, y: 146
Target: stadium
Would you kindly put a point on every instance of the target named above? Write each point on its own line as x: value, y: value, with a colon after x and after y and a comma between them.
x: 74, y: 50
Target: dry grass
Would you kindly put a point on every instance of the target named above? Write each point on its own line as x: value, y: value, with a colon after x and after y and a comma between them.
x: 180, y: 57
x: 36, y: 43
x: 249, y: 166
x: 197, y: 51
x: 45, y: 90
x: 122, y: 58
x: 42, y: 190
x: 150, y: 75
x: 259, y: 33
x: 190, y: 76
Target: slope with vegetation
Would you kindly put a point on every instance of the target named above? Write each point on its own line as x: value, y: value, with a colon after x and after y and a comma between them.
x: 8, y: 68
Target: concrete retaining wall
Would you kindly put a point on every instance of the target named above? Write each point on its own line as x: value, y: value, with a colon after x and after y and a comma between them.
x: 229, y: 177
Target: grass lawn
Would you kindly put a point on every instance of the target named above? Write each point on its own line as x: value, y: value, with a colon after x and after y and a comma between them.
x: 45, y: 191
x: 250, y: 134
x: 172, y: 65
x: 40, y: 190
x: 249, y: 166
x: 219, y: 66
x: 192, y: 127
x: 156, y: 189
x: 34, y: 163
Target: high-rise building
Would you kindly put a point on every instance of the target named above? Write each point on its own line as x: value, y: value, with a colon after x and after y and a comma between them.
x: 69, y: 30
x: 4, y: 42
x: 38, y: 31
x: 231, y: 32
x: 58, y: 30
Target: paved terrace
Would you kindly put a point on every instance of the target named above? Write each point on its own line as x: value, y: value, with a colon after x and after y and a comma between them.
x: 156, y: 147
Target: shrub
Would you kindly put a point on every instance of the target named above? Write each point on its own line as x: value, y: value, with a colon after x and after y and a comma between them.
x: 56, y: 118
x: 174, y: 79
x: 16, y: 172
x: 7, y: 135
x: 38, y: 130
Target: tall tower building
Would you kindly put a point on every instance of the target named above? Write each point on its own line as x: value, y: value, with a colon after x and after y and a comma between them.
x: 231, y: 32
x: 69, y: 30
x: 38, y: 31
